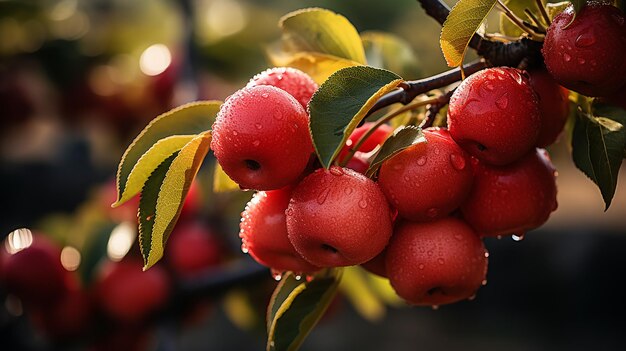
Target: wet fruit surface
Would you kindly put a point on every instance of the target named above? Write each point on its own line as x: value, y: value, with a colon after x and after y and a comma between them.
x: 553, y: 104
x: 586, y: 54
x: 297, y: 83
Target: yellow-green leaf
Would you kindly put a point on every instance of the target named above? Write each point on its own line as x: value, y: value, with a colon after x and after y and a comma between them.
x: 463, y: 21
x: 190, y: 119
x: 318, y: 66
x: 162, y: 199
x: 322, y: 31
x: 342, y: 102
x: 357, y: 289
x: 221, y: 181
x: 149, y: 161
x: 507, y: 27
x: 553, y: 9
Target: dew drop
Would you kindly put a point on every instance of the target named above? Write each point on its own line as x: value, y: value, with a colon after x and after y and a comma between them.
x: 235, y: 133
x: 458, y: 162
x: 256, y: 143
x: 264, y: 95
x: 486, y: 254
x: 432, y: 212
x: 518, y: 237
x: 567, y: 57
x: 458, y: 237
x: 278, y: 115
x: 421, y: 161
x: 581, y: 61
x: 362, y: 203
x: 440, y: 261
x: 258, y: 126
x: 298, y: 276
x: 407, y: 178
x: 277, y: 276
x: 499, y: 237
x: 397, y: 167
x: 502, y: 102
x: 471, y: 298
x: 321, y: 198
x: 484, y: 282
x: 336, y: 171
x: 421, y: 266
x: 348, y: 190
x: 289, y: 212
x: 585, y: 40
x: 244, y: 248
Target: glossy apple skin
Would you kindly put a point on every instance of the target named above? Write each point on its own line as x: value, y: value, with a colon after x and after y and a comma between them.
x: 338, y: 217
x: 377, y: 265
x: 512, y: 199
x: 428, y: 180
x: 435, y: 263
x: 127, y: 293
x: 263, y: 232
x: 297, y: 83
x: 494, y: 115
x: 378, y: 137
x: 587, y: 56
x: 35, y: 274
x: 261, y: 138
x: 553, y: 104
x: 193, y: 249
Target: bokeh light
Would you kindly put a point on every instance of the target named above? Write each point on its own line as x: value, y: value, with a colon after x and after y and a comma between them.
x: 18, y: 240
x: 155, y: 60
x: 121, y: 240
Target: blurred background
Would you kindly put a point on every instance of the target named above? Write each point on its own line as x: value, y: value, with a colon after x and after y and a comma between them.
x: 80, y: 79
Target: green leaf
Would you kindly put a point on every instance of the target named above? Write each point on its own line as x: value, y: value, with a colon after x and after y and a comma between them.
x: 578, y: 4
x: 164, y: 135
x: 400, y: 140
x: 598, y: 145
x: 342, y: 102
x: 463, y: 21
x: 286, y: 285
x: 356, y: 287
x: 221, y: 181
x: 163, y: 196
x: 611, y: 112
x: 390, y: 52
x: 322, y: 31
x: 301, y: 310
x: 507, y: 27
x: 553, y: 9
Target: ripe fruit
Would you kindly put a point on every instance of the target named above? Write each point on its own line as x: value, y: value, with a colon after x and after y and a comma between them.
x: 494, y: 115
x: 127, y: 293
x: 297, y: 83
x: 358, y: 163
x: 377, y: 265
x: 338, y: 217
x: 512, y: 199
x: 35, y: 274
x: 192, y: 248
x: 587, y: 54
x: 427, y: 180
x: 263, y: 231
x: 435, y: 263
x: 553, y: 105
x: 377, y: 138
x: 67, y: 318
x: 261, y: 138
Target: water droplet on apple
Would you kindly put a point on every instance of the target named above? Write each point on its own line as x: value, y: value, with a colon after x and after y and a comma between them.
x: 567, y: 57
x: 471, y: 298
x: 264, y: 95
x: 440, y: 261
x: 258, y: 126
x: 581, y: 61
x: 502, y: 102
x: 432, y: 212
x: 321, y: 198
x: 458, y: 237
x: 486, y: 254
x: 336, y: 171
x: 244, y: 248
x: 421, y: 266
x: 421, y: 161
x: 518, y: 237
x: 348, y: 190
x: 362, y: 203
x: 484, y: 282
x: 256, y: 143
x: 235, y: 133
x: 458, y: 162
x: 585, y: 40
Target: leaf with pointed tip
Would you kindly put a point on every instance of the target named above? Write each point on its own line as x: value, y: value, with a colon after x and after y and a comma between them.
x: 342, y: 102
x: 147, y: 151
x: 163, y: 196
x: 463, y: 21
x: 598, y: 145
x: 400, y: 140
x: 318, y: 66
x: 221, y: 181
x: 553, y: 9
x: 322, y: 31
x: 301, y: 310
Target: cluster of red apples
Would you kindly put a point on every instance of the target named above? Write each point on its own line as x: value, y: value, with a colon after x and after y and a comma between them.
x: 421, y: 222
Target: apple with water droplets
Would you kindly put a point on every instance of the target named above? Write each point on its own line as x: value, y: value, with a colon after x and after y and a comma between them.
x: 261, y: 138
x: 427, y: 180
x: 435, y: 263
x: 297, y: 83
x: 338, y: 217
x: 553, y: 105
x: 511, y: 199
x: 263, y: 232
x: 378, y: 137
x: 494, y: 115
x: 584, y: 51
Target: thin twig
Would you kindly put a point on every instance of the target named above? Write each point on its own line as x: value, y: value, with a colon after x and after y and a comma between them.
x: 544, y: 13
x: 433, y: 109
